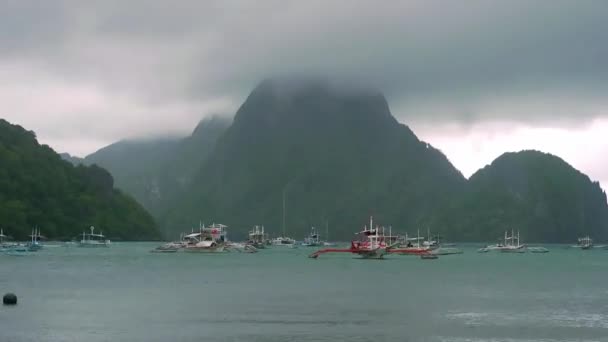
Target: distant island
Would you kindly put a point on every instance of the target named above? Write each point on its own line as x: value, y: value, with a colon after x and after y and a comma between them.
x: 338, y: 155
x: 39, y: 189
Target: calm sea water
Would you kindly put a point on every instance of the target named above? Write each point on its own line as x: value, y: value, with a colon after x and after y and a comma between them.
x: 126, y: 293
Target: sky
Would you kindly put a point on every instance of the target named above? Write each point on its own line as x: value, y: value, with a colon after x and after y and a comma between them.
x: 473, y: 78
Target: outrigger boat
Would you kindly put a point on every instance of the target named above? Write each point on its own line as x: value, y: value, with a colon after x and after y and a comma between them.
x: 284, y: 242
x: 10, y: 248
x: 257, y: 238
x: 372, y: 244
x: 584, y: 243
x: 210, y: 239
x: 93, y: 240
x: 312, y: 240
x: 3, y: 243
x: 510, y: 244
x: 35, y: 244
x: 412, y: 245
x: 432, y: 245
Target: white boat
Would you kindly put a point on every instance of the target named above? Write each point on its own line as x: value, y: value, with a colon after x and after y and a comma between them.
x: 283, y: 242
x: 413, y: 245
x: 258, y: 238
x: 35, y: 243
x: 510, y: 244
x: 3, y: 238
x: 93, y: 240
x: 431, y: 242
x: 584, y: 243
x: 210, y: 239
x: 313, y: 239
x: 10, y: 248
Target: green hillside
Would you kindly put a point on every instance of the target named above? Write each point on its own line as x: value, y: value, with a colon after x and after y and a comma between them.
x: 38, y: 188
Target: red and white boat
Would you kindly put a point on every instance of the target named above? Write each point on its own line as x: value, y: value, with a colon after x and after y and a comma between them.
x: 372, y: 243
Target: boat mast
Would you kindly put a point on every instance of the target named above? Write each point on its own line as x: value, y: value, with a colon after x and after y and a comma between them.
x: 283, y: 212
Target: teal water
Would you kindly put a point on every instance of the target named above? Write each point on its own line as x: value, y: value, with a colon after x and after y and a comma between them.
x: 126, y: 293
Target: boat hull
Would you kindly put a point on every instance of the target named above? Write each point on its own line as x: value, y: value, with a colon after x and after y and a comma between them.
x: 215, y: 249
x: 93, y: 245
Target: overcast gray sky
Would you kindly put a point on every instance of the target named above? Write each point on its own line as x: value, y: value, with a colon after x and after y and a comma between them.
x: 474, y: 78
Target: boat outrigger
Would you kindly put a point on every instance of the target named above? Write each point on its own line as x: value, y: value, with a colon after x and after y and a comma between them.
x: 372, y: 244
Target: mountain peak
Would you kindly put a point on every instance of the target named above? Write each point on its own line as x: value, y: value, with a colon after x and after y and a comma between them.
x: 311, y: 100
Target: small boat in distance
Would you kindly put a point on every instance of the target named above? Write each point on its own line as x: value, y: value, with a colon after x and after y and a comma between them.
x: 584, y: 243
x: 413, y: 245
x: 257, y: 238
x: 284, y: 242
x: 93, y: 240
x: 36, y: 241
x: 3, y: 243
x: 10, y: 248
x: 510, y: 244
x: 312, y: 240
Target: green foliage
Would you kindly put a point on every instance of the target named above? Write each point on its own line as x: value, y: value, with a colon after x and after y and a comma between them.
x: 156, y: 172
x: 339, y: 156
x: 536, y: 193
x: 38, y: 188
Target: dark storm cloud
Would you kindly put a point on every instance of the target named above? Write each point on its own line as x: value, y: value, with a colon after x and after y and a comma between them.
x: 457, y: 61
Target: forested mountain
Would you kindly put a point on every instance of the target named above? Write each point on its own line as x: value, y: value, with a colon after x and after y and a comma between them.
x: 154, y: 171
x: 72, y: 159
x: 338, y: 155
x: 38, y: 188
x: 537, y: 193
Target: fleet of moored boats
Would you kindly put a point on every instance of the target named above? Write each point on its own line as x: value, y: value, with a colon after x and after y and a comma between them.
x: 372, y: 242
x: 36, y: 242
